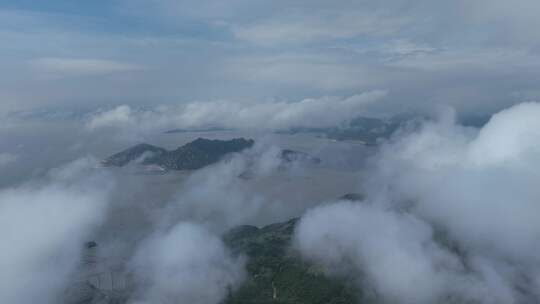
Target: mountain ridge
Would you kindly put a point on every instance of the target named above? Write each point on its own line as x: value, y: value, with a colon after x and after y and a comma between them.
x: 191, y: 156
x: 194, y: 155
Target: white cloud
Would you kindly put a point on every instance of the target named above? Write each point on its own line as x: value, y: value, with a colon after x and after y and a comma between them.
x: 43, y: 226
x: 119, y: 116
x: 338, y: 48
x: 322, y: 25
x: 491, y: 59
x: 303, y: 71
x: 318, y: 112
x: 403, y: 47
x: 477, y: 186
x: 395, y: 251
x: 185, y: 263
x: 511, y: 136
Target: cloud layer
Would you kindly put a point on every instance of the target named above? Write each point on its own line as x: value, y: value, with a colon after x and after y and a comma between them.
x: 319, y: 112
x: 452, y: 210
x: 44, y: 226
x: 81, y: 67
x: 188, y: 263
x: 145, y: 52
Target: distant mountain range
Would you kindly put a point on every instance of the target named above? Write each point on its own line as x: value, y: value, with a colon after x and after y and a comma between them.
x: 202, y: 130
x: 193, y: 155
x: 365, y: 129
x: 368, y: 130
x: 371, y: 130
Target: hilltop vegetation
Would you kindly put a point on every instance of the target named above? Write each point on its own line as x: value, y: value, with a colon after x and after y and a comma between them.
x: 276, y: 274
x: 191, y: 156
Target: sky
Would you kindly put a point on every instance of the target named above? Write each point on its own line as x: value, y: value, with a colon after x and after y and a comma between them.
x: 81, y: 80
x: 477, y: 56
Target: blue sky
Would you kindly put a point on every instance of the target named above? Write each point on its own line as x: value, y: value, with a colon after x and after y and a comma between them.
x: 474, y: 55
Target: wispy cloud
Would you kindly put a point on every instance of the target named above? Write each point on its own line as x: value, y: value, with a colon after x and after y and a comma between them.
x: 7, y: 158
x: 76, y: 67
x: 314, y: 27
x: 119, y: 116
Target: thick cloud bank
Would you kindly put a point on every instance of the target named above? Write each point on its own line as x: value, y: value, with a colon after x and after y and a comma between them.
x: 43, y: 227
x: 186, y: 264
x: 453, y: 213
x: 319, y: 112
